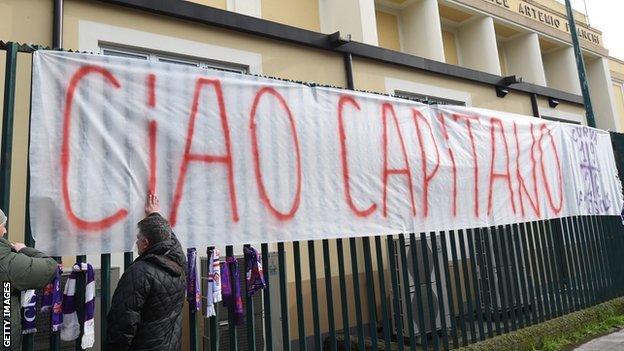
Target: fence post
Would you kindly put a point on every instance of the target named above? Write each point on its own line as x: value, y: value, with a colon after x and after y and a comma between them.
x: 7, y: 127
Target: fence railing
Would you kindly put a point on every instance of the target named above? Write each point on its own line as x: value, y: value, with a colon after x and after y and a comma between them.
x: 438, y: 290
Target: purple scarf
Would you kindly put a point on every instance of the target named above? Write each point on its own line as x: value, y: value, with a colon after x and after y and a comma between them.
x: 29, y: 311
x: 193, y: 294
x: 230, y: 278
x: 255, y: 277
x: 52, y: 298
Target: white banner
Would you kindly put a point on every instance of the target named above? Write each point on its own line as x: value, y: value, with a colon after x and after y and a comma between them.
x: 240, y: 159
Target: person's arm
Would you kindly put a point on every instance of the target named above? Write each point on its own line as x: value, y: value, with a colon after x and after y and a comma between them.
x: 125, y: 313
x: 29, y: 268
x: 32, y: 252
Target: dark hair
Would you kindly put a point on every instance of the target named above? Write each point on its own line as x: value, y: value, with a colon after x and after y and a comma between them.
x: 155, y: 228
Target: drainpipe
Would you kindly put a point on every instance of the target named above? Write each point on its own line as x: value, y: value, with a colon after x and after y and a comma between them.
x: 57, y: 25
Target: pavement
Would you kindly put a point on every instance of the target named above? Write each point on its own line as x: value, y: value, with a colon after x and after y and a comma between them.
x: 610, y: 342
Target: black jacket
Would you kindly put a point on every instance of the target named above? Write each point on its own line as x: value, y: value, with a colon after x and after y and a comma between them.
x: 146, y: 311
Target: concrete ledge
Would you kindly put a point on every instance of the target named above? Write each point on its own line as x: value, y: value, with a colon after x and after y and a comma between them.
x: 527, y: 338
x: 532, y: 337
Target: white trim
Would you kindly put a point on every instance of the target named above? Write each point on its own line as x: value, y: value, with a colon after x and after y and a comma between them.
x: 567, y: 116
x: 393, y: 85
x: 91, y: 34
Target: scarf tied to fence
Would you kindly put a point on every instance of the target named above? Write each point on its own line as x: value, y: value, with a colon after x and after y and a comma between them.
x: 193, y: 294
x: 52, y: 300
x: 28, y: 302
x: 70, y: 329
x: 254, y: 275
x: 231, y: 289
x: 213, y: 291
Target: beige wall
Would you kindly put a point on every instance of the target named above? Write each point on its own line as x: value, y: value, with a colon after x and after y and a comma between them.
x: 618, y: 94
x: 27, y: 21
x: 220, y: 4
x: 370, y: 75
x: 278, y: 59
x: 298, y: 13
x: 388, y: 30
x: 450, y: 47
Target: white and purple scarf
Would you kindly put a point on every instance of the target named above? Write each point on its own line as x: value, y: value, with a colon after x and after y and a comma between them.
x: 70, y: 329
x: 193, y: 294
x: 213, y: 291
x: 52, y: 300
x: 29, y: 311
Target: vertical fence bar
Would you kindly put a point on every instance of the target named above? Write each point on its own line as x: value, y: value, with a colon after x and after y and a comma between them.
x: 509, y: 277
x: 438, y: 278
x: 344, y: 303
x: 516, y: 275
x: 385, y: 318
x: 530, y: 307
x: 500, y: 270
x: 128, y: 258
x: 370, y: 292
x: 520, y: 272
x: 589, y: 259
x: 355, y: 272
x: 591, y: 291
x: 299, y: 296
x: 8, y: 110
x: 449, y: 289
x: 213, y: 321
x: 396, y: 301
x: 573, y: 263
x: 530, y: 273
x: 462, y: 234
x: 330, y: 296
x: 486, y: 289
x: 281, y: 256
x: 600, y: 256
x: 458, y: 287
x: 266, y: 295
x: 79, y: 296
x: 28, y: 340
x: 560, y: 264
x: 543, y: 291
x: 616, y: 232
x: 554, y: 274
x: 594, y: 272
x: 249, y: 312
x: 318, y: 343
x: 584, y: 279
x: 105, y: 296
x: 232, y: 332
x: 487, y: 233
x: 478, y: 307
x: 422, y: 330
x: 406, y: 289
x: 547, y: 259
x: 429, y: 283
x: 602, y: 234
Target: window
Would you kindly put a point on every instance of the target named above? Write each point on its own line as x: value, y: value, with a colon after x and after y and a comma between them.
x: 172, y: 58
x: 429, y: 100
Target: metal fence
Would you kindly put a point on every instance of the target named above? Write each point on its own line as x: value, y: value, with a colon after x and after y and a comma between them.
x: 438, y: 290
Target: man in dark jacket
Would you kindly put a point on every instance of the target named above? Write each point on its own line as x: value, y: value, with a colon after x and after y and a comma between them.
x: 26, y: 268
x: 146, y: 311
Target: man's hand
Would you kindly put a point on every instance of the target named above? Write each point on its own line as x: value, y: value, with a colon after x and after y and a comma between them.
x: 152, y: 205
x: 18, y: 246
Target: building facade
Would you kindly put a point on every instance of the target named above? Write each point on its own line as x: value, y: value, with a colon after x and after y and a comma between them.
x: 506, y: 55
